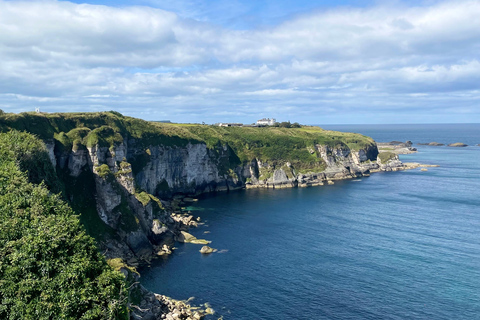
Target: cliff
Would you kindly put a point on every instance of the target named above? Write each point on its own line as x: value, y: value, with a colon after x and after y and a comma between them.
x: 115, y: 169
x: 124, y: 176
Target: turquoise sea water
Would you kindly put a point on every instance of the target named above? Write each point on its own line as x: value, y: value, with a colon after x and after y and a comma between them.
x: 399, y: 245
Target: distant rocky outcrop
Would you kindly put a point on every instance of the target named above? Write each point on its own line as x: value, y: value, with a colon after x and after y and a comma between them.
x: 435, y: 144
x: 458, y: 145
x: 396, y: 147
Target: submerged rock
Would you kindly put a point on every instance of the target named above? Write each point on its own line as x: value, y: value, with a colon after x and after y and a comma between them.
x: 435, y: 144
x: 457, y: 144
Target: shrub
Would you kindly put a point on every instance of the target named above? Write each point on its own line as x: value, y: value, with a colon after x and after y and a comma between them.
x: 49, y: 267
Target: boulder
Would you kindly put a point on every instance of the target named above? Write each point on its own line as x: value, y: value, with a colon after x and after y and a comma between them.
x: 188, y: 238
x: 206, y: 250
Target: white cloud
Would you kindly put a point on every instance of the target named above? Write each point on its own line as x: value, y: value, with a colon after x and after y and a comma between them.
x: 381, y: 59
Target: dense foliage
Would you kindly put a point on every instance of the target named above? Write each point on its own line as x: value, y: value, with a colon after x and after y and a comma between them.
x: 49, y: 267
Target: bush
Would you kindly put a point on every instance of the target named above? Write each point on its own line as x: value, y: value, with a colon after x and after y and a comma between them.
x: 49, y: 267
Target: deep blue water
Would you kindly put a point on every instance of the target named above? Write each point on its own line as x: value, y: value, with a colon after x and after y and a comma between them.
x: 400, y: 245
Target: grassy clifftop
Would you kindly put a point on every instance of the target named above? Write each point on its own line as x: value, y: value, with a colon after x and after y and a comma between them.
x: 79, y: 130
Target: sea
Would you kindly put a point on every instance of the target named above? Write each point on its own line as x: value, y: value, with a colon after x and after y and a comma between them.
x: 396, y: 245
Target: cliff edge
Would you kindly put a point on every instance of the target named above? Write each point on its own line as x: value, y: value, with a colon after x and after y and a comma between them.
x: 121, y: 174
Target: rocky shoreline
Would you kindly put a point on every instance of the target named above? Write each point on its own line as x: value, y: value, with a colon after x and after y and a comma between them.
x: 437, y: 144
x: 341, y: 164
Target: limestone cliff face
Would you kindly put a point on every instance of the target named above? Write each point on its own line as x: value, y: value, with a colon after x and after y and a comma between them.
x: 192, y: 169
x: 340, y: 163
x: 129, y: 178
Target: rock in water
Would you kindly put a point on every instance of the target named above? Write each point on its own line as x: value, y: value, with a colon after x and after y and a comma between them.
x: 458, y: 144
x: 206, y: 250
x: 188, y: 238
x: 435, y: 144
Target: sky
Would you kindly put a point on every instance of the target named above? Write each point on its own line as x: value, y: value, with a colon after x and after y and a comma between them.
x: 312, y: 62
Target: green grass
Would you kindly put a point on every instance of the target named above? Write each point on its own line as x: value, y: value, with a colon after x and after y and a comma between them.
x: 106, y: 129
x: 386, y: 156
x: 104, y: 171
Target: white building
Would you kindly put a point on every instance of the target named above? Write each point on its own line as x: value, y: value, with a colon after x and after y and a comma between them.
x: 266, y: 122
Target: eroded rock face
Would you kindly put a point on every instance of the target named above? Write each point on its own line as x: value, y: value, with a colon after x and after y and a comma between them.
x: 77, y: 160
x: 193, y: 169
x: 108, y: 198
x: 136, y: 173
x: 50, y: 144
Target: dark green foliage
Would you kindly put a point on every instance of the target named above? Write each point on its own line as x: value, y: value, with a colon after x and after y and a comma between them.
x: 81, y: 194
x: 88, y: 129
x: 105, y: 136
x: 32, y: 157
x: 49, y: 267
x: 287, y: 124
x: 128, y: 221
x: 104, y: 171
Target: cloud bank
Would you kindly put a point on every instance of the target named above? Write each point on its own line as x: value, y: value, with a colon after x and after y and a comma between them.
x: 391, y: 64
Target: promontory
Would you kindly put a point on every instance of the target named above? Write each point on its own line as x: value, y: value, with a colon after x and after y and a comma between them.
x: 73, y: 185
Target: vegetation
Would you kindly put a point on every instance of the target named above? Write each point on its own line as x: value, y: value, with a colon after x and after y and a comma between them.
x: 386, y: 156
x: 287, y: 124
x: 285, y: 142
x: 104, y: 171
x: 271, y: 144
x: 49, y: 267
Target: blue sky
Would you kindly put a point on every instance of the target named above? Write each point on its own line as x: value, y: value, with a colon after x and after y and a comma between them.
x: 322, y: 62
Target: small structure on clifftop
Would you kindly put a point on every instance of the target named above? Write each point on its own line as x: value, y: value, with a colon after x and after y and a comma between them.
x: 222, y: 124
x: 266, y: 122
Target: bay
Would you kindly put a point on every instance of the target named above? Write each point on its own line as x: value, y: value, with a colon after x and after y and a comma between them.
x: 399, y: 245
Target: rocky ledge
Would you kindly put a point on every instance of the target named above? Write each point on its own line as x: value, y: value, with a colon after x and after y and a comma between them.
x: 396, y: 147
x: 434, y: 144
x: 155, y: 306
x: 437, y: 144
x: 458, y: 145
